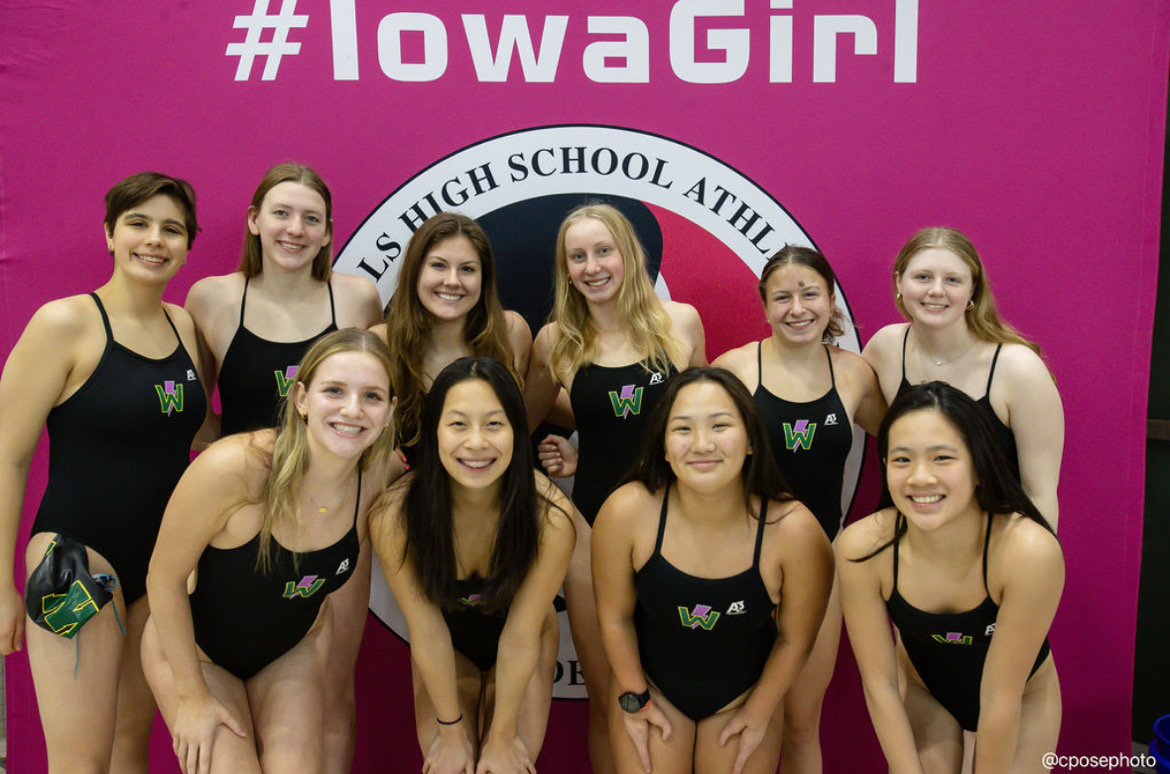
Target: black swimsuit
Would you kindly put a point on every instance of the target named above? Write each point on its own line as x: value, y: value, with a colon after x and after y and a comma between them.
x: 245, y: 619
x: 948, y: 650
x: 703, y: 641
x: 474, y: 633
x: 256, y: 374
x: 811, y: 442
x: 117, y: 447
x: 611, y: 406
x: 1003, y: 434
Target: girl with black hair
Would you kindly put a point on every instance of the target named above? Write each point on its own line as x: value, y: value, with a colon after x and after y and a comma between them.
x: 970, y: 573
x: 711, y: 584
x: 474, y: 545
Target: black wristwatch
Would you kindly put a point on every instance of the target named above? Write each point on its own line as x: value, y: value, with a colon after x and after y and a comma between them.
x: 634, y: 703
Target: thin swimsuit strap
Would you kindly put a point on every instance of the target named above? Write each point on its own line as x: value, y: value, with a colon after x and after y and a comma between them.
x: 905, y: 338
x: 991, y: 373
x: 759, y: 529
x: 328, y: 286
x: 832, y: 376
x: 110, y: 331
x: 986, y: 543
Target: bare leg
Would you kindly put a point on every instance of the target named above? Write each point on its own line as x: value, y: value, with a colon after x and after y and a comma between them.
x: 673, y: 756
x: 136, y: 707
x: 287, y: 698
x: 469, y: 682
x: 586, y: 633
x: 801, y: 751
x: 350, y: 604
x: 937, y: 734
x: 532, y: 720
x: 1040, y: 716
x: 230, y: 753
x: 77, y: 680
x: 710, y: 758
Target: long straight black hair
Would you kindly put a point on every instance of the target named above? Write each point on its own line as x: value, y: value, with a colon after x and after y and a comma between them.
x: 999, y: 491
x: 430, y: 539
x: 761, y: 475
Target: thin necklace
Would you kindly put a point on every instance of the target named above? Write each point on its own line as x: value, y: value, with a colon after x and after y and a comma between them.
x: 947, y: 361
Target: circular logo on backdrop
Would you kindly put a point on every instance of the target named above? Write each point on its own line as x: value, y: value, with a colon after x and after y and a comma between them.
x: 706, y: 227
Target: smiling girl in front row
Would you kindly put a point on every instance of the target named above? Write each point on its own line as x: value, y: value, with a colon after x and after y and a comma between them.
x: 690, y: 562
x: 970, y: 573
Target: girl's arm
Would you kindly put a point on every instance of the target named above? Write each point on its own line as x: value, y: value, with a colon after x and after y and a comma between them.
x: 519, y: 647
x: 613, y: 586
x: 209, y: 432
x: 520, y: 339
x: 209, y: 303
x: 358, y: 302
x: 540, y: 390
x: 863, y: 394
x: 430, y: 639
x: 873, y: 646
x: 199, y: 509
x: 688, y: 328
x: 35, y: 376
x: 1036, y: 417
x: 883, y: 352
x: 1033, y: 572
x: 806, y: 567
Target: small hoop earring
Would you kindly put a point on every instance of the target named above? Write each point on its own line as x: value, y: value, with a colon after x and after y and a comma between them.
x: 898, y: 296
x: 970, y: 304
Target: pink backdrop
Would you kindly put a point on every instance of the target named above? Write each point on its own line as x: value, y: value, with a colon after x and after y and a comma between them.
x: 1037, y: 131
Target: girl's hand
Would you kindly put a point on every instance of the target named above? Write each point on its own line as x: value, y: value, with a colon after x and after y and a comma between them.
x: 196, y: 722
x: 557, y: 456
x: 638, y: 729
x: 505, y: 756
x: 751, y: 733
x: 450, y: 752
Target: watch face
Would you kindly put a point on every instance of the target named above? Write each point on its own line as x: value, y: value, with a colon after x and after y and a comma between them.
x: 632, y: 702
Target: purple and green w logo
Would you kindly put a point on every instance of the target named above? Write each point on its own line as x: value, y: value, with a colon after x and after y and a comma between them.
x: 170, y: 397
x: 702, y: 616
x: 799, y: 435
x: 306, y: 587
x: 285, y: 380
x: 626, y: 403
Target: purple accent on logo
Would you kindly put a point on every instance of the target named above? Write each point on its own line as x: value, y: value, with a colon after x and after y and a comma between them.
x: 290, y: 373
x: 800, y: 426
x: 169, y: 388
x: 627, y: 394
x: 700, y: 612
x: 307, y: 582
x: 955, y: 636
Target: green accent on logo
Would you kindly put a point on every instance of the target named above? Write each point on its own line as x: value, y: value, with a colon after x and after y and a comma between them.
x: 283, y: 381
x: 799, y: 436
x: 170, y: 397
x: 689, y: 621
x: 305, y: 588
x: 628, y: 401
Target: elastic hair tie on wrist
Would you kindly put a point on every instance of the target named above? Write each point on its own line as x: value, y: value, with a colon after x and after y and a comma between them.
x: 456, y: 721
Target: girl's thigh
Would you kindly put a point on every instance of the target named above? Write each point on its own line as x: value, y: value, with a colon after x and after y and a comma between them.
x: 710, y: 758
x: 675, y: 755
x: 937, y: 734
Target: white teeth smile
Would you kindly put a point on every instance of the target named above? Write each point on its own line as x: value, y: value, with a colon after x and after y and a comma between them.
x: 150, y: 258
x: 449, y: 296
x: 476, y: 464
x: 347, y: 429
x: 597, y: 283
x: 292, y: 247
x: 925, y: 499
x: 800, y: 324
